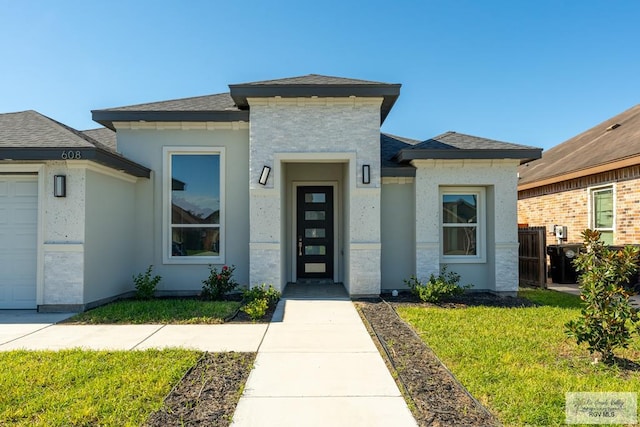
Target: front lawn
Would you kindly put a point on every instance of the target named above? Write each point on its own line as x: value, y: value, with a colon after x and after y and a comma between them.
x: 518, y: 361
x: 163, y: 311
x: 74, y: 387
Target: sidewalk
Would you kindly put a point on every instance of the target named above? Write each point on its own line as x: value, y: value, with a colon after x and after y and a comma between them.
x: 28, y: 330
x: 319, y: 367
x: 574, y: 289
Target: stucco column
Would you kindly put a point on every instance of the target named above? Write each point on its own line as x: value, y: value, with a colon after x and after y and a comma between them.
x: 265, y: 231
x: 427, y: 223
x: 364, y: 242
x: 506, y: 233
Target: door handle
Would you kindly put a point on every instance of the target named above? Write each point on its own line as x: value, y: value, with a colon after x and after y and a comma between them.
x: 300, y: 246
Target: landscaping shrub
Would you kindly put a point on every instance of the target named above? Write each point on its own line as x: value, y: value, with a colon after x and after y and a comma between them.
x: 256, y: 308
x: 262, y: 292
x: 607, y: 319
x: 219, y: 283
x: 444, y: 285
x: 258, y: 300
x: 145, y: 284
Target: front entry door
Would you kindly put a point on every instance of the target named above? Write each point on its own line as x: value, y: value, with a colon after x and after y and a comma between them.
x: 314, y: 245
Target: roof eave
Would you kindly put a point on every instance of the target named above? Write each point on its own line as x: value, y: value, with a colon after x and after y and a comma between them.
x: 524, y: 155
x: 579, y: 173
x: 398, y: 172
x: 97, y: 155
x: 106, y: 117
x: 388, y: 92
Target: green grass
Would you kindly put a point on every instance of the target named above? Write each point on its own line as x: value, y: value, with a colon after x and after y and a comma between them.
x: 518, y: 361
x: 78, y: 388
x: 164, y: 311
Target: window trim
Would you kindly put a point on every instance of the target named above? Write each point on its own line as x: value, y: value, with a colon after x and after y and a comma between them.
x: 167, y: 258
x: 591, y: 210
x: 481, y: 225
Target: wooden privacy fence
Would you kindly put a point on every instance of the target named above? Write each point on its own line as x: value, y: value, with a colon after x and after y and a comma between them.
x: 532, y: 256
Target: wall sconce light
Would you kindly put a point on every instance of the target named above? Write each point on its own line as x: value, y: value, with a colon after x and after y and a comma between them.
x: 366, y: 174
x: 60, y: 186
x: 264, y: 176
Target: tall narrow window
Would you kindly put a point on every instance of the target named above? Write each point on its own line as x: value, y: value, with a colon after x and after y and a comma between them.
x: 602, y: 213
x: 195, y: 203
x: 462, y: 224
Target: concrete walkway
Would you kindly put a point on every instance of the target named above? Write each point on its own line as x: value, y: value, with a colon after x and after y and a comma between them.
x: 319, y: 367
x: 28, y: 330
x: 316, y: 363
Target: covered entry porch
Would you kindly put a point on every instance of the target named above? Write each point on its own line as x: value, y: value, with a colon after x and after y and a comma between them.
x: 311, y: 226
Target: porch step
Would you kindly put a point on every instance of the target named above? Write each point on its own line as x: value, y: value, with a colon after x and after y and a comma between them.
x: 315, y: 289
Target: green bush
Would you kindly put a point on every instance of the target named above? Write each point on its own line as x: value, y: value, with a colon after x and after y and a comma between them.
x: 219, y: 283
x: 258, y: 300
x: 256, y: 308
x: 262, y: 292
x: 607, y: 320
x: 145, y: 284
x: 444, y: 285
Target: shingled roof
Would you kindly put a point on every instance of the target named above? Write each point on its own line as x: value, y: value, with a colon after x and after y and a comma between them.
x: 453, y: 145
x: 609, y: 145
x: 390, y: 145
x: 105, y: 136
x: 30, y: 129
x: 29, y: 135
x: 214, y: 108
x: 312, y: 80
x: 216, y: 102
x: 317, y: 85
x: 233, y: 106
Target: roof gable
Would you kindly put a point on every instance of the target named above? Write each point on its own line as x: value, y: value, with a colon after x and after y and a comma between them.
x: 615, y: 139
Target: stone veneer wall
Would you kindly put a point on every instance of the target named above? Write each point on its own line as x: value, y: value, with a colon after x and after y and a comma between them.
x: 567, y: 203
x: 336, y: 130
x: 499, y: 271
x: 63, y: 238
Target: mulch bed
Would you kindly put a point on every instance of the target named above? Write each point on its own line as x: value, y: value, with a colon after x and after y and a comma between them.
x: 435, y: 397
x: 208, y: 393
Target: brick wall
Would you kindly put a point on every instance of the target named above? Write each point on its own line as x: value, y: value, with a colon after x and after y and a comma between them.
x: 567, y: 203
x: 628, y: 212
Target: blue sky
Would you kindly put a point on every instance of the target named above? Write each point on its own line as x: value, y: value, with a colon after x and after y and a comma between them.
x: 529, y: 72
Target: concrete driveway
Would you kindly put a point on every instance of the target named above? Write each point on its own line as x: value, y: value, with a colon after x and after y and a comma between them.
x: 15, y: 324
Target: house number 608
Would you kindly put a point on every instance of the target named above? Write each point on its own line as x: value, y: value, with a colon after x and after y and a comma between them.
x: 70, y: 155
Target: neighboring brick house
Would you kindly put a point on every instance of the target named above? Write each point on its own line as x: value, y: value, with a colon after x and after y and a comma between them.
x: 589, y: 181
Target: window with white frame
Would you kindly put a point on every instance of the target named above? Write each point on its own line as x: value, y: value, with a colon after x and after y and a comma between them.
x: 462, y: 221
x: 194, y: 205
x: 602, y: 212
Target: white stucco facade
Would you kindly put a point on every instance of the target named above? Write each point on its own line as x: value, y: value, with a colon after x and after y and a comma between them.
x: 148, y: 144
x: 497, y: 270
x: 80, y: 257
x: 324, y: 131
x: 126, y: 210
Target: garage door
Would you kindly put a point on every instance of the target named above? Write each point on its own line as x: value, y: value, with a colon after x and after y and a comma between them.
x: 18, y: 241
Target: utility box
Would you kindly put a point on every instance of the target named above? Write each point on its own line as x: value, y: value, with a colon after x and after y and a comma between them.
x: 560, y: 231
x: 561, y: 259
